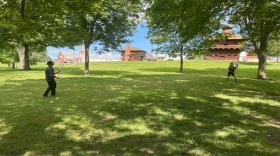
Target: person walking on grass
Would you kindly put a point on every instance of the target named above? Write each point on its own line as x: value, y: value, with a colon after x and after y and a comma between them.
x: 50, y: 78
x: 231, y: 70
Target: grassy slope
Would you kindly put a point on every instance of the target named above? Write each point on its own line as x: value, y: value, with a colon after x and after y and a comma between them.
x: 141, y: 108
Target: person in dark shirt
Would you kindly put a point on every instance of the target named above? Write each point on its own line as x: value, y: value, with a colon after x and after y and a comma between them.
x: 50, y: 78
x: 231, y: 70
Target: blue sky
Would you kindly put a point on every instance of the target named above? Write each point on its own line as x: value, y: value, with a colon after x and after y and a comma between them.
x: 139, y: 41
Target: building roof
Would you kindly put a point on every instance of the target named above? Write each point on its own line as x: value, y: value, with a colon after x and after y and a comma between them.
x: 230, y: 37
x: 71, y: 55
x: 227, y: 33
x: 134, y: 50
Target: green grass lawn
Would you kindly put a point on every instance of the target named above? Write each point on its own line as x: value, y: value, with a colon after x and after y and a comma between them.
x: 141, y: 108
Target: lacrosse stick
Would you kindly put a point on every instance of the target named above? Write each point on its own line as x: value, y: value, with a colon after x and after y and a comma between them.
x: 59, y: 69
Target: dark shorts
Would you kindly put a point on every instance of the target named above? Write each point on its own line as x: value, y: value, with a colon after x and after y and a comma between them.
x: 230, y: 73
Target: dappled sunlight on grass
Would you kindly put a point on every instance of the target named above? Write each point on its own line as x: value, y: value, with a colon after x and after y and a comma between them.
x: 4, y: 128
x: 230, y: 131
x: 106, y: 115
x: 141, y: 108
x: 136, y: 126
x: 182, y: 81
x: 198, y: 151
x: 241, y: 105
x: 272, y: 123
x: 223, y: 143
x: 66, y: 153
x: 158, y: 111
x: 115, y: 87
x: 173, y: 95
x: 179, y: 116
x: 108, y: 76
x: 222, y: 134
x: 13, y: 86
x: 196, y: 99
x: 237, y: 104
x: 76, y: 128
x: 30, y: 153
x: 237, y: 100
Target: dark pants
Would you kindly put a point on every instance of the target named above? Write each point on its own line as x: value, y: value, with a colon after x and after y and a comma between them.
x: 52, y: 86
x: 230, y: 73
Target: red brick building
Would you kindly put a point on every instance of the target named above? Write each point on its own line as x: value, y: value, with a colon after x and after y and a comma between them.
x: 228, y: 49
x: 68, y: 57
x: 133, y: 54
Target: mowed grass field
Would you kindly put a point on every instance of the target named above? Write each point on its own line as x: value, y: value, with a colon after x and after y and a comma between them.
x: 141, y: 108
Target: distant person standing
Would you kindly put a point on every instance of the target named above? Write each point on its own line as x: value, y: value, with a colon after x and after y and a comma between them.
x: 237, y: 65
x: 50, y: 78
x: 231, y: 70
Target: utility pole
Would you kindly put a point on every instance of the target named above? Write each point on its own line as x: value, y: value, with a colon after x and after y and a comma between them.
x: 152, y: 51
x: 94, y: 49
x: 106, y: 51
x: 152, y: 39
x: 93, y: 54
x: 106, y: 55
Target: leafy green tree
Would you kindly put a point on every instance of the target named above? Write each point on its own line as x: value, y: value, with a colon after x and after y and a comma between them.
x: 169, y: 41
x: 107, y: 22
x: 38, y: 54
x: 8, y: 56
x: 274, y: 48
x: 258, y: 20
x: 32, y: 23
x: 192, y: 17
x: 8, y: 53
x: 67, y: 23
x: 184, y: 23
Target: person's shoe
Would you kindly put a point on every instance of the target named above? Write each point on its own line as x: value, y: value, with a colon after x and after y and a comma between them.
x: 44, y: 96
x: 236, y: 80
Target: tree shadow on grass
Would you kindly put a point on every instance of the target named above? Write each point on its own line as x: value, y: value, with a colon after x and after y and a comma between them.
x: 120, y: 113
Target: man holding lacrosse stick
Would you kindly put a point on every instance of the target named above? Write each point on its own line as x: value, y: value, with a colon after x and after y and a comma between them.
x: 231, y: 70
x: 50, y: 78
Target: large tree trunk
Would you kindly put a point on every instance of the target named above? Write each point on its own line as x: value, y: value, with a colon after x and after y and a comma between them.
x: 262, y: 55
x: 21, y: 57
x: 13, y: 65
x: 181, y: 59
x: 262, y: 66
x: 86, y: 70
x: 26, y: 57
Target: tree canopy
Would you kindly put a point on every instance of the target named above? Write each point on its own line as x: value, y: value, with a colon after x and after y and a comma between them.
x: 27, y: 24
x: 257, y: 20
x: 106, y: 22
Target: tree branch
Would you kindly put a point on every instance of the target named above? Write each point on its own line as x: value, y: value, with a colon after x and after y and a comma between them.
x: 15, y: 3
x: 22, y: 8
